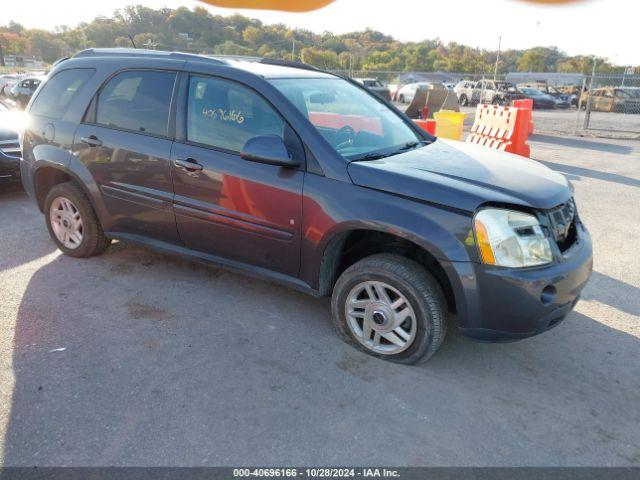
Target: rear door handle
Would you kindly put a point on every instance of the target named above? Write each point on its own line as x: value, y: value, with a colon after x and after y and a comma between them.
x: 188, y: 164
x: 91, y: 140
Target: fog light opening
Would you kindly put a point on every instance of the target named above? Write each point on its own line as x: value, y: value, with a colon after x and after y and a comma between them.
x: 548, y: 294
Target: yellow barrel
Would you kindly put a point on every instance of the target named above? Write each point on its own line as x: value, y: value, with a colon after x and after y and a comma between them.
x: 449, y: 124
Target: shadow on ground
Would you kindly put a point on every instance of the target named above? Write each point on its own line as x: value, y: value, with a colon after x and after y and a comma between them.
x: 170, y: 363
x: 576, y: 142
x: 575, y: 173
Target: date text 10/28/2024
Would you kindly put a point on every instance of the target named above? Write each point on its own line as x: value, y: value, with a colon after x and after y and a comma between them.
x: 315, y: 472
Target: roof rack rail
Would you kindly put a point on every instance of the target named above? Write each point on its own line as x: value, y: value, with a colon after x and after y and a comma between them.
x: 118, y: 52
x: 220, y: 59
x: 288, y: 63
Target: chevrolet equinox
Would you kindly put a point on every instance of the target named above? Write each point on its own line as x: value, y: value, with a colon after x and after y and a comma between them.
x: 303, y: 177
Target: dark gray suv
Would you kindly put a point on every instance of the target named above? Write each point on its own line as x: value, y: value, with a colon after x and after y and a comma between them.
x: 305, y: 178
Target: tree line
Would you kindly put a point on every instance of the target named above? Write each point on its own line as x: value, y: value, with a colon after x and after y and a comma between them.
x: 198, y: 31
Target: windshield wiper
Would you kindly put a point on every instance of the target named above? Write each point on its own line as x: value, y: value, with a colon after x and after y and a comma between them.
x: 402, y: 148
x: 410, y: 145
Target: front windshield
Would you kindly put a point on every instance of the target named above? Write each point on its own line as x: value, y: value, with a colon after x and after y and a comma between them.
x: 353, y: 121
x: 531, y: 91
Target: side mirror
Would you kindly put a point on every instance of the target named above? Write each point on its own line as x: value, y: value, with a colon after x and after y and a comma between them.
x: 268, y: 149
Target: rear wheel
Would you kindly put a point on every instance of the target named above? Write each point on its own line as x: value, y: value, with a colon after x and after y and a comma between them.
x: 72, y: 223
x: 401, y: 99
x: 463, y: 100
x: 390, y: 307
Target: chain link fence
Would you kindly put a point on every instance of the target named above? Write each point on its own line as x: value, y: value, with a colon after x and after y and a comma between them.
x: 609, y: 104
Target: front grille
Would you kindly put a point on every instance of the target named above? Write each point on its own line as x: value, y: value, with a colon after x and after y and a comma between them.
x: 11, y: 148
x: 562, y: 223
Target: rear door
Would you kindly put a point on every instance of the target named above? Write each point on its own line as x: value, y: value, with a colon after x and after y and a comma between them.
x: 126, y: 145
x: 226, y: 206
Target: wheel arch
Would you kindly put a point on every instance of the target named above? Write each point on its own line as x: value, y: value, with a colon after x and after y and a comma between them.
x: 49, y: 174
x: 346, y: 247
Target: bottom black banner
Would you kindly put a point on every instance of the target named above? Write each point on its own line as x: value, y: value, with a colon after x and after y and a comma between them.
x: 231, y: 473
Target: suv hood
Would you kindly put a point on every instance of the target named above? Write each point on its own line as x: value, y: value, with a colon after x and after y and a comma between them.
x: 464, y: 176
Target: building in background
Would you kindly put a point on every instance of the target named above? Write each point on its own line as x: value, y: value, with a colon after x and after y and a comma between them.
x: 23, y: 61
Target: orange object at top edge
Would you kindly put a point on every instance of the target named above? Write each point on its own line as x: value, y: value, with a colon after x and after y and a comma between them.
x: 308, y: 5
x: 286, y: 5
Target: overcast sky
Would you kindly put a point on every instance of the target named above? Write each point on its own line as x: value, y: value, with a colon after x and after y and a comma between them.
x: 607, y: 28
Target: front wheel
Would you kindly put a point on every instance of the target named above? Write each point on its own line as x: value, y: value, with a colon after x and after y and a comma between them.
x: 72, y: 223
x: 390, y: 307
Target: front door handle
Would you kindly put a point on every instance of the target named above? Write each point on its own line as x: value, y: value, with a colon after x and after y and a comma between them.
x: 188, y: 164
x: 91, y: 140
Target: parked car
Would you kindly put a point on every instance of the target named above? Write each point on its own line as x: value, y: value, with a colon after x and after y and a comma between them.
x: 9, y: 146
x: 467, y: 95
x: 376, y: 86
x: 574, y: 93
x: 407, y: 92
x: 297, y: 175
x: 540, y: 100
x: 6, y: 82
x: 486, y: 91
x: 23, y: 89
x: 561, y: 99
x: 611, y: 99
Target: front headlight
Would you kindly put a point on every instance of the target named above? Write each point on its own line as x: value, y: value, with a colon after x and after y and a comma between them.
x: 509, y: 238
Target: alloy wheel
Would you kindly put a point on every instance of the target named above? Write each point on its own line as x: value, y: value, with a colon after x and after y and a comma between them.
x: 66, y: 222
x: 380, y: 317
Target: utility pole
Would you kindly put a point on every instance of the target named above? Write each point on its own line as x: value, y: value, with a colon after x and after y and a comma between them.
x: 293, y: 50
x: 495, y: 71
x: 587, y: 113
x: 1, y: 56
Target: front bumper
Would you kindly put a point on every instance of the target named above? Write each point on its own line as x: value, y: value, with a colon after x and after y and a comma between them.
x: 504, y: 304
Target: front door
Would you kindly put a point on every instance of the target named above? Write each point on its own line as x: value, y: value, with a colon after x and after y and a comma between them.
x: 226, y: 206
x: 126, y: 148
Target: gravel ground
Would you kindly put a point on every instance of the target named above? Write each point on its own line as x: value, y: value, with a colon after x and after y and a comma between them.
x: 136, y: 358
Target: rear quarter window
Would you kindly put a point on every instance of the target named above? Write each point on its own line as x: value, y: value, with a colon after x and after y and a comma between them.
x: 58, y: 91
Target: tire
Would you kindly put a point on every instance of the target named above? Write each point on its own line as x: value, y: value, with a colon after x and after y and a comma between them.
x: 93, y: 241
x: 423, y: 296
x: 401, y: 98
x: 463, y: 101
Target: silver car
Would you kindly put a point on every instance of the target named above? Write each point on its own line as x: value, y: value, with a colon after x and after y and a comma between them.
x: 407, y: 92
x: 22, y: 91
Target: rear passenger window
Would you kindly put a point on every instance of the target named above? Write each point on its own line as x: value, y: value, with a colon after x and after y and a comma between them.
x: 138, y: 101
x: 225, y: 115
x: 56, y: 95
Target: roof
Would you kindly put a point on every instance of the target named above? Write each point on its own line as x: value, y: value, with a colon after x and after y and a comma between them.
x: 264, y: 67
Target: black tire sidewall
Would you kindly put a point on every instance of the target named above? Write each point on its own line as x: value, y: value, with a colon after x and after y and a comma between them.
x: 424, y: 334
